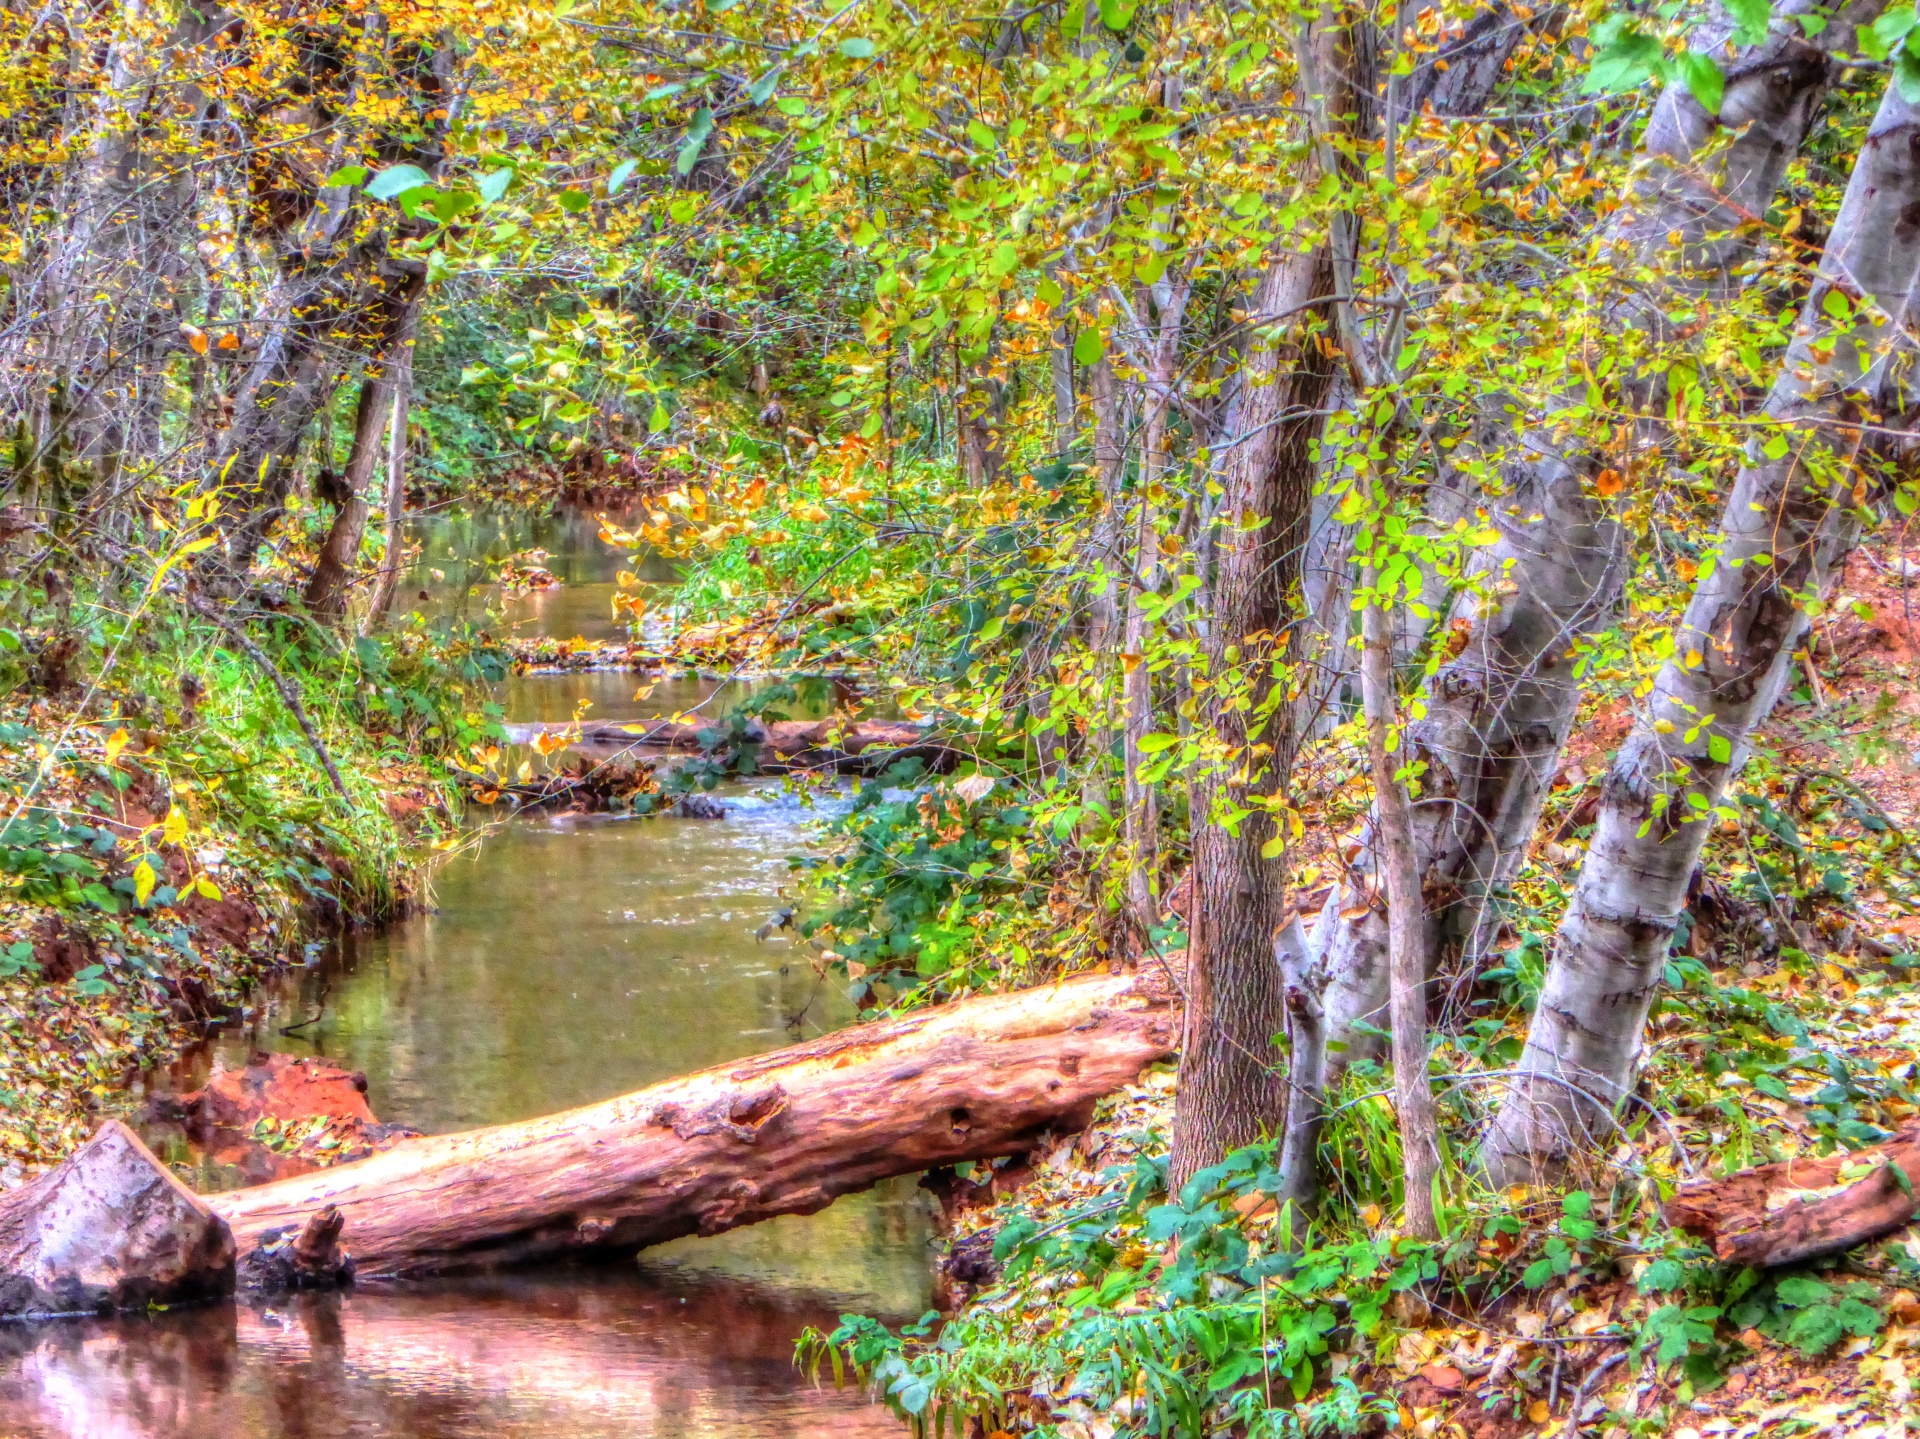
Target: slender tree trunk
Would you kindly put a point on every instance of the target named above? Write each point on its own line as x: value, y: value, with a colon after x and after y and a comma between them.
x: 396, y: 516
x: 326, y: 591
x: 1143, y: 811
x: 1787, y: 526
x: 1500, y: 712
x: 1104, y: 550
x: 1406, y: 921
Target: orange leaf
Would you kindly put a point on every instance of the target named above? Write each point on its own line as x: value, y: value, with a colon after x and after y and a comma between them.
x: 1609, y: 482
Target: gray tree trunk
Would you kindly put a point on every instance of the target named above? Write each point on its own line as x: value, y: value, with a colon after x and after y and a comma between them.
x: 1788, y: 524
x: 1499, y: 712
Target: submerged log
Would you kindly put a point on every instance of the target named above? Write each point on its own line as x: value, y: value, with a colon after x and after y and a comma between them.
x: 109, y: 1228
x: 780, y: 1133
x: 1802, y: 1208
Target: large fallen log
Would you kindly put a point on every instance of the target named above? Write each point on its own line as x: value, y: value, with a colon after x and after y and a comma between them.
x: 108, y: 1228
x: 1802, y: 1208
x: 781, y: 1133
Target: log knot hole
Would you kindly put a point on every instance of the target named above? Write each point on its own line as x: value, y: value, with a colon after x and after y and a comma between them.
x: 739, y: 1116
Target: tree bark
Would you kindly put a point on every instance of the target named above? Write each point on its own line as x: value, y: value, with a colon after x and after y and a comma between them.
x: 1231, y: 1091
x: 326, y: 594
x: 1788, y: 524
x: 1406, y: 923
x: 1500, y: 712
x: 783, y: 1133
x: 1803, y: 1208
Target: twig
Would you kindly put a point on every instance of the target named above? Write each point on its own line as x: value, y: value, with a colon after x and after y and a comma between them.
x: 289, y: 696
x: 1580, y: 1394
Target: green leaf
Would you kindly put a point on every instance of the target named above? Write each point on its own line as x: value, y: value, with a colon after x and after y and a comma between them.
x: 982, y: 135
x: 991, y: 629
x: 347, y: 175
x: 1720, y: 749
x: 1906, y: 75
x: 1006, y: 259
x: 790, y: 105
x: 1704, y: 80
x: 1088, y: 347
x: 396, y: 180
x: 1117, y: 14
x: 761, y: 90
x: 619, y: 176
x: 574, y: 202
x: 1154, y: 743
x: 1049, y: 292
x: 1626, y: 64
x: 695, y: 142
x: 1750, y: 18
x: 1892, y: 27
x: 659, y: 419
x: 494, y: 184
x: 858, y: 48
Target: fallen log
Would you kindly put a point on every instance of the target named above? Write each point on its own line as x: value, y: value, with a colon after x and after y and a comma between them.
x: 1802, y: 1208
x: 109, y: 1228
x: 780, y: 745
x: 781, y: 1133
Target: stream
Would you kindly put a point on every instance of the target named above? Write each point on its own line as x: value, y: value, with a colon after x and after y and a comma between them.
x: 565, y: 961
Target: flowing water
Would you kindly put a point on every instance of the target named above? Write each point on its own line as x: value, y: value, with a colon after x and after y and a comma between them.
x: 565, y: 961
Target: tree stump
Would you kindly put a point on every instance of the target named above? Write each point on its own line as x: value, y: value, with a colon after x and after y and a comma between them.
x: 110, y: 1228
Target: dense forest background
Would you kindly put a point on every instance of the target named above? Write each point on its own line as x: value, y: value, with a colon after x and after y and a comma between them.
x: 1404, y: 510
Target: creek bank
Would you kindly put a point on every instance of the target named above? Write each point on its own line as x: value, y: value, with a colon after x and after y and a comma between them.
x: 149, y: 887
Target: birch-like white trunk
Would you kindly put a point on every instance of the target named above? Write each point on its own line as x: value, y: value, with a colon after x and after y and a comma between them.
x: 1789, y: 522
x: 1499, y: 713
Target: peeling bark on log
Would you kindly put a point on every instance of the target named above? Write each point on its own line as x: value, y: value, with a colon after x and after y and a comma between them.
x: 1802, y: 1208
x: 110, y: 1228
x: 781, y: 1133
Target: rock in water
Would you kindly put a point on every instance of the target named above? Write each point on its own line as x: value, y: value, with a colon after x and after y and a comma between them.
x: 110, y: 1228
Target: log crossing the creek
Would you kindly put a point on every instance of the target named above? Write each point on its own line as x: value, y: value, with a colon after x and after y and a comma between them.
x: 865, y: 746
x: 779, y: 1133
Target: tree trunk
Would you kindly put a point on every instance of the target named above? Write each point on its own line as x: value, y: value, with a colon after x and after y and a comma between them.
x: 1787, y: 526
x: 396, y: 517
x: 109, y: 1228
x: 1231, y: 1091
x: 1143, y: 811
x: 1499, y: 713
x: 1406, y: 922
x: 326, y: 595
x: 781, y: 1133
x: 326, y: 591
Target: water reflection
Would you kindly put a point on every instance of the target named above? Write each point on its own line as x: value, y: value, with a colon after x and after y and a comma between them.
x: 579, y: 1354
x: 461, y: 551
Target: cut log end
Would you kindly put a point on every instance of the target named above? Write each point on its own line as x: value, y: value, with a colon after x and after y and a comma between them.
x: 311, y: 1259
x: 110, y: 1228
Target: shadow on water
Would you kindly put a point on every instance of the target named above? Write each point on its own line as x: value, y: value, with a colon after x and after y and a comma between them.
x: 566, y: 961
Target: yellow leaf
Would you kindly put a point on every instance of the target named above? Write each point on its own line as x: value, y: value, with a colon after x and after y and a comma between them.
x: 174, y: 831
x: 144, y: 879
x: 116, y: 742
x: 1537, y: 1411
x: 1129, y: 663
x: 207, y: 887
